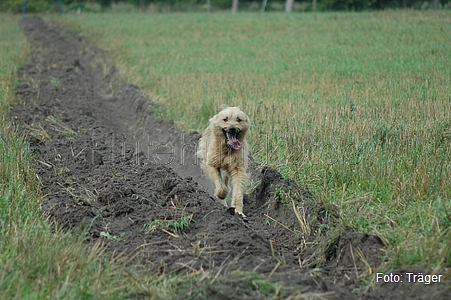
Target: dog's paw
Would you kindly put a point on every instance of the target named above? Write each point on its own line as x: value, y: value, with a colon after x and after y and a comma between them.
x: 233, y: 211
x: 241, y: 214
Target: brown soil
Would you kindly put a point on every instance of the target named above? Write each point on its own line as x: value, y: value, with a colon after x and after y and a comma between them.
x: 108, y: 166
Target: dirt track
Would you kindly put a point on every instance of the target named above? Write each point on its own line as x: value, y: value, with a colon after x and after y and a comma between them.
x: 109, y: 166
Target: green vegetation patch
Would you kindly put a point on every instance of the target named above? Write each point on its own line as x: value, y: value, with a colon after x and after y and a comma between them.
x: 178, y: 225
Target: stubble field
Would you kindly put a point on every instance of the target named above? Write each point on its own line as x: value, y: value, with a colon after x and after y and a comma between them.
x: 355, y: 107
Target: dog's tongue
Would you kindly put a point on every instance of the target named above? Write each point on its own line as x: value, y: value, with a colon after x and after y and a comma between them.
x: 233, y: 142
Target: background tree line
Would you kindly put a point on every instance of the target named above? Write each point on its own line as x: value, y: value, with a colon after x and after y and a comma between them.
x: 15, y: 6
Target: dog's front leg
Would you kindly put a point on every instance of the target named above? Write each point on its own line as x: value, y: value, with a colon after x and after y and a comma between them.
x: 221, y: 189
x: 239, y: 181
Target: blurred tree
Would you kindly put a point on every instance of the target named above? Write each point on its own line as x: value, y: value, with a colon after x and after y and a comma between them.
x: 436, y: 4
x: 235, y: 6
x: 264, y: 5
x: 105, y: 3
x: 33, y: 6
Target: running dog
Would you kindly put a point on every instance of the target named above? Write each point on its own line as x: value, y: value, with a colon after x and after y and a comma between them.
x: 224, y: 152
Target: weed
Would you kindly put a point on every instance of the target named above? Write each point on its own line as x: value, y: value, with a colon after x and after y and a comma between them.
x: 179, y: 225
x: 284, y: 195
x: 55, y: 82
x: 59, y: 126
x: 108, y: 236
x: 254, y: 281
x: 253, y: 185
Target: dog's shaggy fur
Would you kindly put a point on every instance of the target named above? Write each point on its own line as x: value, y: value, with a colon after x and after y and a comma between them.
x: 224, y: 152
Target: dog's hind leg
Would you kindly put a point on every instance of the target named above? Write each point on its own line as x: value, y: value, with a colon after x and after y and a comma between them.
x: 221, y: 188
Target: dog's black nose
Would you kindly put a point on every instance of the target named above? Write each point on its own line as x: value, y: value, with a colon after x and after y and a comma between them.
x: 232, y: 129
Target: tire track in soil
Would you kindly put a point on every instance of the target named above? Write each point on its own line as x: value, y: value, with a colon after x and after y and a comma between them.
x: 84, y: 127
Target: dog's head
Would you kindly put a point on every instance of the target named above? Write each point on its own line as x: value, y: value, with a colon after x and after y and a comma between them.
x: 234, y: 124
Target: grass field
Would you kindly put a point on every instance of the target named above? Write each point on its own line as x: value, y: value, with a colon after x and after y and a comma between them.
x: 354, y: 106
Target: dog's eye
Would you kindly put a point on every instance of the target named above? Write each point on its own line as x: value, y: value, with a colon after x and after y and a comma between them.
x: 238, y: 119
x: 225, y: 119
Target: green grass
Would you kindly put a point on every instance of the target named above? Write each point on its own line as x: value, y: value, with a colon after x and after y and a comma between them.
x: 354, y: 106
x: 178, y: 225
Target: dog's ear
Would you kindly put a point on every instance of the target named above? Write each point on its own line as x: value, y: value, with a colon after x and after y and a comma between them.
x: 223, y: 106
x: 212, y: 119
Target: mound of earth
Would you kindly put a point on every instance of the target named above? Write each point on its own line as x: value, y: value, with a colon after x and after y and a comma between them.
x: 108, y: 166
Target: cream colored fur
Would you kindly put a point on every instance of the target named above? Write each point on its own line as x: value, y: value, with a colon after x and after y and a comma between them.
x: 224, y: 165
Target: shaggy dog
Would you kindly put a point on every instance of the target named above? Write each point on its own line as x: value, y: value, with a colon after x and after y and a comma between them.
x: 224, y: 151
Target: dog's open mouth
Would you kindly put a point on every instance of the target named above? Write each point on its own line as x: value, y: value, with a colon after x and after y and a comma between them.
x: 231, y: 137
